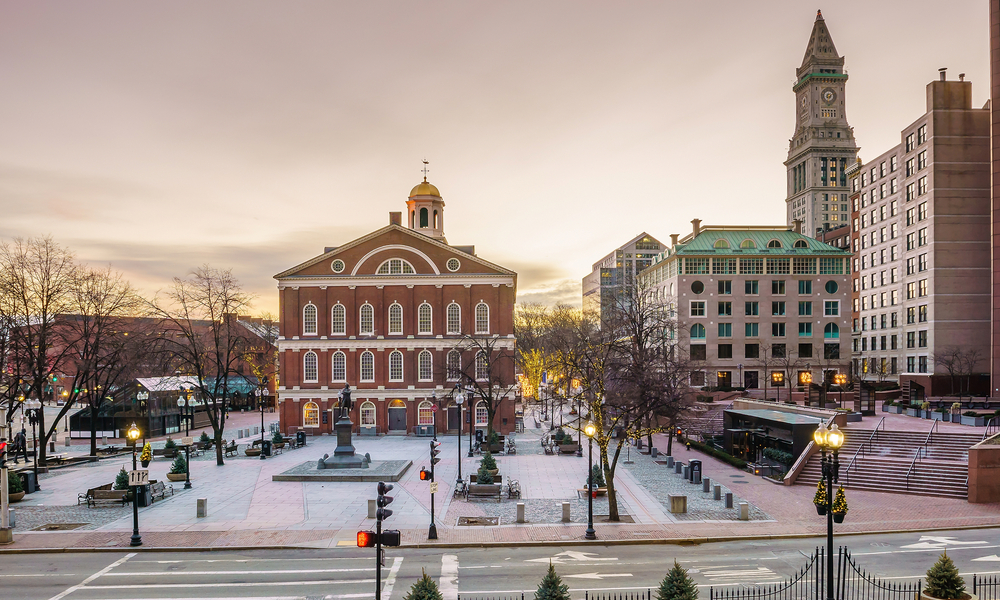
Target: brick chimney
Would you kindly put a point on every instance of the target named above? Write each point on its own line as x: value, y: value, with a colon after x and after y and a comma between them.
x: 797, y: 225
x: 395, y: 218
x: 696, y: 226
x: 673, y: 239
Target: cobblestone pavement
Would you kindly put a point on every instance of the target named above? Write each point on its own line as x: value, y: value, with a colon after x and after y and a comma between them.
x: 536, y: 511
x: 29, y: 517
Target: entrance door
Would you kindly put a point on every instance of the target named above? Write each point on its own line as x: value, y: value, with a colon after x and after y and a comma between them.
x: 453, y: 418
x: 397, y: 416
x: 750, y: 379
x: 725, y: 379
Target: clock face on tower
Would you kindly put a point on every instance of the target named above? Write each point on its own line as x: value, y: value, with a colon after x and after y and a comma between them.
x: 829, y: 96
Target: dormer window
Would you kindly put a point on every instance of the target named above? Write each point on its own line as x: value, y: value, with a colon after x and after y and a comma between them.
x: 721, y: 244
x: 774, y: 244
x: 747, y: 244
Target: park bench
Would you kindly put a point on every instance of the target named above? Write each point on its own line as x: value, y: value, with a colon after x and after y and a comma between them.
x: 570, y: 448
x: 483, y: 491
x: 546, y: 445
x: 58, y: 459
x: 513, y: 489
x: 460, y: 488
x: 158, y: 489
x: 81, y: 498
x: 165, y: 452
x: 498, y: 479
x: 108, y: 496
x: 232, y: 449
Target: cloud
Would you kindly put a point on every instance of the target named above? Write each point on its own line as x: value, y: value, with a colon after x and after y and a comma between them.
x: 567, y: 291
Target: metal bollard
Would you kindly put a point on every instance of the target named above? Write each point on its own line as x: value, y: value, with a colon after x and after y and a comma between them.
x: 678, y: 466
x: 670, y: 462
x: 68, y: 441
x: 744, y: 511
x: 729, y: 499
x: 706, y: 484
x: 653, y: 452
x: 565, y: 517
x: 687, y: 472
x: 372, y: 508
x: 717, y: 492
x: 520, y: 512
x: 202, y: 507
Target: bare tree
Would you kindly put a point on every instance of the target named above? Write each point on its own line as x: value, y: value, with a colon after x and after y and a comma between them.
x: 204, y: 338
x: 487, y: 369
x: 948, y: 359
x: 770, y: 357
x: 968, y: 360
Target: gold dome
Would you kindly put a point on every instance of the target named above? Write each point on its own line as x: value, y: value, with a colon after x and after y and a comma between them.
x: 424, y: 189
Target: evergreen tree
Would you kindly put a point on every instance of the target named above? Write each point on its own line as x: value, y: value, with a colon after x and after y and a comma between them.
x: 424, y: 589
x: 943, y: 580
x: 488, y: 461
x: 677, y: 585
x: 552, y: 587
x: 121, y: 481
x: 483, y: 476
x: 179, y: 466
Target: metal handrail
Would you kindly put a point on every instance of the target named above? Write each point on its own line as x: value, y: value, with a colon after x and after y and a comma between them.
x: 921, y: 451
x: 991, y: 426
x: 861, y: 449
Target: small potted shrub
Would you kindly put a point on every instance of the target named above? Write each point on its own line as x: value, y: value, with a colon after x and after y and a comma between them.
x: 121, y: 482
x: 839, y: 506
x: 493, y: 441
x: 205, y: 441
x: 944, y: 582
x: 820, y: 498
x: 484, y: 476
x: 956, y: 410
x: 178, y: 470
x: 15, y: 488
x: 277, y: 440
x: 971, y: 417
x: 925, y: 409
x: 147, y: 455
x: 941, y: 414
x: 169, y: 448
x: 597, y: 476
x: 489, y: 463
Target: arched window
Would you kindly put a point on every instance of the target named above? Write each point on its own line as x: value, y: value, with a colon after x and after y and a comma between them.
x: 747, y: 244
x: 482, y: 366
x: 424, y: 318
x: 367, y: 414
x: 423, y: 217
x: 338, y: 370
x: 831, y: 331
x: 436, y: 222
x: 425, y: 366
x: 338, y: 320
x: 482, y: 318
x: 774, y: 244
x: 310, y: 368
x: 721, y: 244
x: 366, y: 326
x: 801, y: 244
x: 310, y: 414
x: 367, y: 366
x: 309, y: 319
x: 482, y: 415
x: 395, y: 366
x: 395, y: 318
x: 698, y: 332
x: 395, y: 266
x: 454, y: 318
x: 454, y: 365
x: 425, y: 414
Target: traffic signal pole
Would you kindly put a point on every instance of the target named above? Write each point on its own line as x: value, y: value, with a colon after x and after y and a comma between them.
x: 378, y: 559
x: 432, y: 532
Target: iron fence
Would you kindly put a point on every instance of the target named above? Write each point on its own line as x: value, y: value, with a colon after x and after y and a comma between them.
x: 807, y: 584
x: 854, y: 583
x: 494, y: 596
x: 631, y: 595
x: 987, y: 588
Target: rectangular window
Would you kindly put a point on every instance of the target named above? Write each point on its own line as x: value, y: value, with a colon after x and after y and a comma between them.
x: 922, y: 186
x: 751, y: 287
x: 893, y: 231
x: 911, y: 191
x: 778, y: 287
x: 831, y: 308
x: 909, y: 143
x: 922, y: 313
x: 778, y: 266
x: 698, y: 352
x: 921, y: 160
x: 804, y: 266
x: 697, y: 308
x: 911, y: 364
x: 922, y: 262
x: 922, y: 134
x: 922, y: 288
x: 922, y: 364
x: 805, y: 287
x: 911, y: 315
x: 751, y: 309
x: 751, y: 266
x: 893, y: 342
x: 778, y: 329
x: 831, y: 266
x: 751, y: 351
x: 911, y: 290
x: 725, y: 350
x: 805, y: 309
x: 922, y: 236
x: 805, y: 350
x: 881, y: 342
x: 892, y: 164
x: 805, y: 329
x: 751, y: 329
x: 725, y: 309
x: 910, y: 167
x: 725, y: 287
x: 696, y: 266
x: 911, y: 265
x: 778, y: 309
x: 725, y: 330
x: 911, y: 241
x: 922, y: 211
x: 892, y: 320
x: 724, y: 266
x: 831, y: 351
x: 911, y: 339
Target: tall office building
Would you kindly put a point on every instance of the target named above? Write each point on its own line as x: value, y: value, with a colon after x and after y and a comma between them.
x: 823, y: 144
x: 617, y: 269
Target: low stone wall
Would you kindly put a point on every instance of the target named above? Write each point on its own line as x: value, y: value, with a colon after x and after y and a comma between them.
x: 984, y: 471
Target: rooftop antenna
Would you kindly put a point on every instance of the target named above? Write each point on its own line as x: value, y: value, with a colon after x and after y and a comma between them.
x: 425, y: 169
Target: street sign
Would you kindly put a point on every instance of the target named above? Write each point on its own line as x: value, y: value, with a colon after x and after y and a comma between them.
x: 140, y: 477
x: 187, y: 441
x: 434, y: 408
x: 434, y: 487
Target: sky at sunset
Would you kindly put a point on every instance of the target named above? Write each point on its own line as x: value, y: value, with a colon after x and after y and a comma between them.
x: 249, y: 135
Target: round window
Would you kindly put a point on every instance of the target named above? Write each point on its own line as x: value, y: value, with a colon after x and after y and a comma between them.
x: 831, y: 287
x: 697, y: 287
x: 453, y: 264
x: 337, y: 266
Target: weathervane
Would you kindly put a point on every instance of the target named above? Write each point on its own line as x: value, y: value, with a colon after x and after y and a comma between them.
x: 425, y: 169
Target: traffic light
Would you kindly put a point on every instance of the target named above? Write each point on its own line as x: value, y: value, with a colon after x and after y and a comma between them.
x: 435, y: 450
x: 3, y: 452
x: 390, y: 537
x: 366, y: 539
x: 425, y: 475
x: 383, y: 513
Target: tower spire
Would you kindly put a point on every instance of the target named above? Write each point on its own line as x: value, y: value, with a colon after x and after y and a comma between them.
x: 820, y: 51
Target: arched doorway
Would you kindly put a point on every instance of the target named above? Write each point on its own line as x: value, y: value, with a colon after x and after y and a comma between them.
x: 397, y: 416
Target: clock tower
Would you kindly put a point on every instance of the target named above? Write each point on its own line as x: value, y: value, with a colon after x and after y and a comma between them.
x: 823, y: 145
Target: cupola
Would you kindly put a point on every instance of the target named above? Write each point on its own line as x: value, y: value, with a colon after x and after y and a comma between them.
x: 425, y: 209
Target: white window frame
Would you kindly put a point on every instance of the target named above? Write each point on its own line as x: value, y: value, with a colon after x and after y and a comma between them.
x: 704, y: 306
x: 482, y: 366
x: 397, y: 356
x: 480, y: 319
x: 368, y: 418
x: 404, y: 267
x: 338, y: 316
x: 306, y: 367
x: 425, y: 413
x: 310, y: 414
x: 457, y: 322
x: 425, y: 366
x: 453, y: 374
x: 310, y: 326
x: 482, y: 415
x: 430, y: 319
x: 836, y: 308
x: 370, y: 317
x: 397, y: 320
x: 371, y: 366
x: 334, y: 366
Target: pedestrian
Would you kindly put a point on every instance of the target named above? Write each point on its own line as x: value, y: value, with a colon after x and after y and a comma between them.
x: 20, y: 446
x: 687, y: 445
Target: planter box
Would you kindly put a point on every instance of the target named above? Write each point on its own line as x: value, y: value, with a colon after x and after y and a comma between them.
x: 898, y: 410
x: 12, y: 497
x: 176, y: 476
x: 853, y: 417
x: 568, y: 448
x: 913, y: 412
x: 937, y: 416
x: 974, y: 421
x: 366, y: 431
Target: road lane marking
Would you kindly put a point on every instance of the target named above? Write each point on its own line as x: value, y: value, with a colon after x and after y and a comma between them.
x: 40, y: 575
x: 935, y: 542
x: 103, y: 571
x: 390, y: 581
x: 570, y: 556
x: 255, y: 572
x: 244, y: 560
x: 234, y: 584
x: 448, y: 585
x: 597, y: 575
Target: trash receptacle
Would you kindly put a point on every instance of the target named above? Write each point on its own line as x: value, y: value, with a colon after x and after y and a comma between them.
x: 695, y: 471
x: 300, y: 438
x: 145, y: 497
x: 28, y: 481
x: 479, y: 436
x: 265, y: 447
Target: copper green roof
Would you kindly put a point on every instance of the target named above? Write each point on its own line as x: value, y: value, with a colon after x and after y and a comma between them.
x: 705, y: 243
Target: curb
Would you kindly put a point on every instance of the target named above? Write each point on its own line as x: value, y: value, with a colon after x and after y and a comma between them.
x: 689, y: 541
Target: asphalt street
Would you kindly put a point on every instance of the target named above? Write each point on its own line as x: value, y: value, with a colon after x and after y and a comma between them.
x: 349, y: 572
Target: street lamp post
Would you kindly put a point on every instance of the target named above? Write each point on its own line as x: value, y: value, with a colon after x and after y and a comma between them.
x: 590, y: 430
x: 579, y: 418
x: 829, y: 439
x: 777, y: 378
x: 33, y: 407
x: 459, y: 400
x: 472, y: 416
x: 260, y: 403
x: 840, y: 379
x: 133, y: 437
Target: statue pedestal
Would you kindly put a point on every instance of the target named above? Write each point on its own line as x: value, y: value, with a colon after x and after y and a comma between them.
x: 343, y: 457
